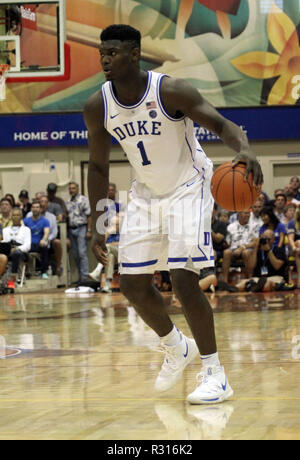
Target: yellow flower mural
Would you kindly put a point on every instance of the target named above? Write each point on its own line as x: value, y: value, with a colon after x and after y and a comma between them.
x: 283, y: 36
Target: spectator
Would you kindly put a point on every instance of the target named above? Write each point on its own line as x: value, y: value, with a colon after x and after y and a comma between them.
x: 79, y: 216
x: 5, y: 213
x: 255, y: 216
x: 263, y: 198
x: 290, y: 196
x: 40, y: 230
x: 25, y: 202
x: 233, y: 217
x: 47, y: 215
x: 271, y: 222
x: 166, y: 284
x: 208, y: 280
x: 60, y: 211
x: 19, y: 238
x: 279, y: 205
x: 294, y: 241
x: 278, y: 191
x: 4, y: 253
x: 295, y: 186
x: 55, y: 209
x: 112, y: 245
x: 218, y: 233
x: 38, y: 195
x: 54, y: 242
x: 269, y: 262
x: 289, y: 213
x: 3, y: 261
x: 11, y: 199
x: 113, y: 208
x: 240, y: 236
x: 224, y: 217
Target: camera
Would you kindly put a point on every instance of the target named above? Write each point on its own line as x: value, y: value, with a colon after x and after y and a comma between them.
x: 14, y: 243
x: 263, y: 241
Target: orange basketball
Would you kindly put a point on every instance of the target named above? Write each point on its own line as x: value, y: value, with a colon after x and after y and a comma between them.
x: 230, y: 190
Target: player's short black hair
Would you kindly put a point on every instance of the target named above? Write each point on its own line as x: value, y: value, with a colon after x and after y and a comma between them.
x: 122, y: 32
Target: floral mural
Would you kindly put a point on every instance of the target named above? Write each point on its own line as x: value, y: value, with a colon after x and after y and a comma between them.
x: 235, y: 52
x: 285, y: 63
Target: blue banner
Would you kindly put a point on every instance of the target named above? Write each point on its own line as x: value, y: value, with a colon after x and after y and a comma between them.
x: 68, y: 129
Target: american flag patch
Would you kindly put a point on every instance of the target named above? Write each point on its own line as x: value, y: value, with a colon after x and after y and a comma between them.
x: 151, y: 105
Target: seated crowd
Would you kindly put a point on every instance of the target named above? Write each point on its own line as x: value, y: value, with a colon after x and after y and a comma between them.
x: 31, y: 227
x: 28, y: 227
x: 264, y: 241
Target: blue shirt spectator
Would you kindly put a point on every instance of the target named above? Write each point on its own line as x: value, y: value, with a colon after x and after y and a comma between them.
x: 40, y: 228
x: 271, y: 222
x: 291, y: 229
x: 37, y: 228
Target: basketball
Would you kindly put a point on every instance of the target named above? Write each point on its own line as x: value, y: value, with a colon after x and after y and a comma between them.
x: 230, y: 190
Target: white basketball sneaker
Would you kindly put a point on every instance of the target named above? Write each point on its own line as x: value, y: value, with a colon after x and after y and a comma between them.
x: 213, y: 387
x: 176, y: 360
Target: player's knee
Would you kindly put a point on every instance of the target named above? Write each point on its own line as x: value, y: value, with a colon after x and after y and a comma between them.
x: 183, y: 281
x: 134, y: 286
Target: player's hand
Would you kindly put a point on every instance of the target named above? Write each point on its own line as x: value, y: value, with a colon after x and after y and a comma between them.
x: 99, y: 248
x: 252, y: 166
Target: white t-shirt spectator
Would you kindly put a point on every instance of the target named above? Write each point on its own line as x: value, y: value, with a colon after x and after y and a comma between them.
x: 21, y: 235
x: 239, y: 235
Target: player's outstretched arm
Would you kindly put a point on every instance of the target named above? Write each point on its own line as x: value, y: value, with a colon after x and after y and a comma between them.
x: 99, y: 141
x: 180, y: 96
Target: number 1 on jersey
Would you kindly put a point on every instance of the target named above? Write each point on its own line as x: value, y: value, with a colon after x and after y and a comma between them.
x: 141, y: 147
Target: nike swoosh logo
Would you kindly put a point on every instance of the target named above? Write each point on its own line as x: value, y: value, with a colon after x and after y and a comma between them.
x: 114, y: 116
x: 224, y: 386
x: 187, y: 350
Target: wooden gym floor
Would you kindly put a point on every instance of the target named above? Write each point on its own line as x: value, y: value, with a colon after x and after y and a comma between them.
x: 84, y: 368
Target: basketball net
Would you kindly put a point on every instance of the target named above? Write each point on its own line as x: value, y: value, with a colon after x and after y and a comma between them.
x: 4, y: 68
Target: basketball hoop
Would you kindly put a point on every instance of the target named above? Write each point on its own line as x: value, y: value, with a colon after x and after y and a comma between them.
x: 4, y: 68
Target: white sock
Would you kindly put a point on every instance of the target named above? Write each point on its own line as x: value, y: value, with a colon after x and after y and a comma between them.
x: 173, y: 338
x: 210, y: 360
x: 99, y: 267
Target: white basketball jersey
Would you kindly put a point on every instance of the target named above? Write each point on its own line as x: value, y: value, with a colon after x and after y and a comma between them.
x: 163, y: 150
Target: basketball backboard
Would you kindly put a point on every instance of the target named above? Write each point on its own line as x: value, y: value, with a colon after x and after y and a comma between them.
x: 33, y: 40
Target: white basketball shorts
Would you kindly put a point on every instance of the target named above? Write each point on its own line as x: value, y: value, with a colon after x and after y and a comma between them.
x: 168, y: 232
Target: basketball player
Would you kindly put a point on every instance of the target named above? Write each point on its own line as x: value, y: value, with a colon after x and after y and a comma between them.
x: 152, y: 116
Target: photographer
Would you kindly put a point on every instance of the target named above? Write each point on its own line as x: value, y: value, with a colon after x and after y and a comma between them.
x: 269, y: 265
x: 16, y: 241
